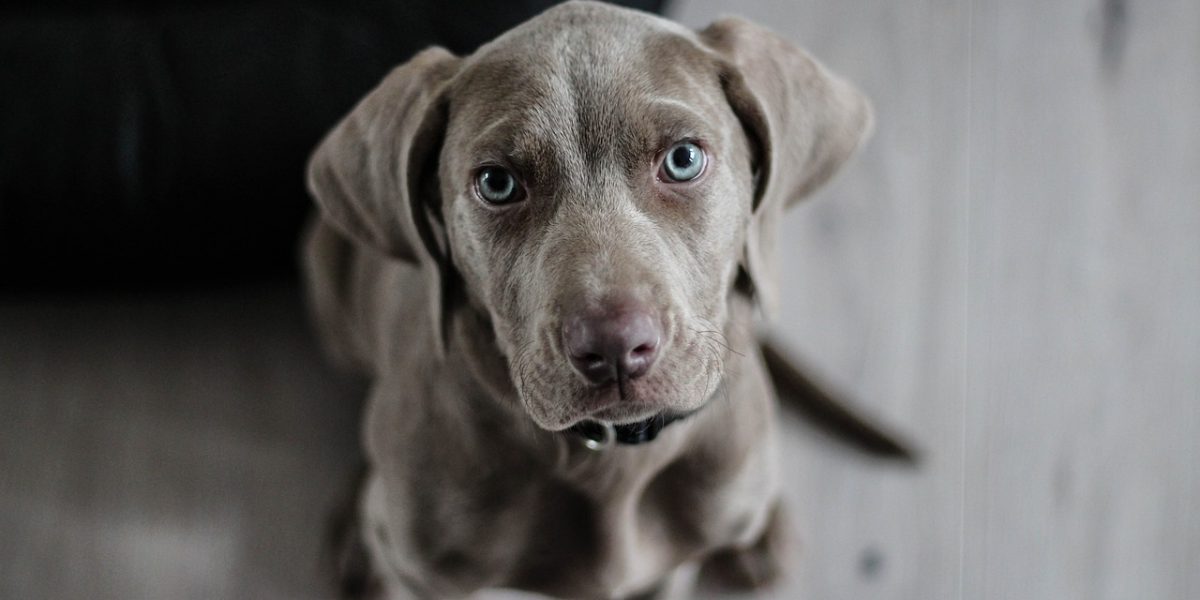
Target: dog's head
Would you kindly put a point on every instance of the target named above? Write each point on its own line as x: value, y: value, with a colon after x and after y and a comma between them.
x: 599, y: 183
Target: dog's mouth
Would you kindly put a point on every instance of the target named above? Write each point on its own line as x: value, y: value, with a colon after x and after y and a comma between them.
x: 625, y: 420
x: 557, y: 398
x: 623, y: 402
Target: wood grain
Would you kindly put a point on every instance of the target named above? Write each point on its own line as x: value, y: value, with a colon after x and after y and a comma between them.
x: 1012, y: 271
x: 169, y: 446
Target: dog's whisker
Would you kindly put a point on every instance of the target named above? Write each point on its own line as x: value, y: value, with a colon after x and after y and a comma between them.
x: 708, y: 382
x: 714, y: 346
x: 716, y: 370
x: 720, y: 338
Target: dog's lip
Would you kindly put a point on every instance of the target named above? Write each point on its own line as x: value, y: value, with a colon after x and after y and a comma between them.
x: 610, y: 404
x: 625, y: 414
x: 611, y: 394
x: 621, y: 413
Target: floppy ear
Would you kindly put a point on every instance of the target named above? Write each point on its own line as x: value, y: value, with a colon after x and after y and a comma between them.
x: 803, y: 121
x: 371, y: 174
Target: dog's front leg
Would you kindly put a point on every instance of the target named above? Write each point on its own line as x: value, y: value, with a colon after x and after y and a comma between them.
x: 678, y: 585
x: 758, y: 565
x: 391, y: 580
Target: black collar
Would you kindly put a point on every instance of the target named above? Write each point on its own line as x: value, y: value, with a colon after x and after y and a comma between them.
x: 598, y: 436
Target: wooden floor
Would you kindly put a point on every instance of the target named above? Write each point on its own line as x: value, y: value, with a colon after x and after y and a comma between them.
x: 167, y: 447
x: 1010, y: 272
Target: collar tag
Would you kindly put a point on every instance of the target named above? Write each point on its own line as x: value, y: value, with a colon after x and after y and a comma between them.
x: 596, y: 435
x: 599, y: 435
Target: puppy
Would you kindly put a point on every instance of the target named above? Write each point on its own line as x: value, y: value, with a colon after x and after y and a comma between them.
x: 547, y: 256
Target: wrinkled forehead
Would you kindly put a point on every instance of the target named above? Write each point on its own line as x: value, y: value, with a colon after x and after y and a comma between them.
x: 594, y: 87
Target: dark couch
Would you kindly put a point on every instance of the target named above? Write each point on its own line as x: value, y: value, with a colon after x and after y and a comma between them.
x: 163, y: 144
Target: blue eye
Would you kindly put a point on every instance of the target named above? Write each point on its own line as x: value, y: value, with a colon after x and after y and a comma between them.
x: 497, y: 186
x: 683, y: 162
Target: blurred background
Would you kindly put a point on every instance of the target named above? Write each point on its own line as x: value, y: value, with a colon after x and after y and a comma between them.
x: 1009, y: 273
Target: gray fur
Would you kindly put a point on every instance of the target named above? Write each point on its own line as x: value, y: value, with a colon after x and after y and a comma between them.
x: 453, y: 307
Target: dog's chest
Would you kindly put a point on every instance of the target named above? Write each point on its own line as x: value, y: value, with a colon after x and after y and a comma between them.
x: 623, y: 541
x: 474, y: 512
x: 598, y: 532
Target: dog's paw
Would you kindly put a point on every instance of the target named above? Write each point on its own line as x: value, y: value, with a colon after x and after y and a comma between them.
x: 757, y: 566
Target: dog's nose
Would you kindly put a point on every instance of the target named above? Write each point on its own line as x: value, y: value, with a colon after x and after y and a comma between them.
x: 612, y: 344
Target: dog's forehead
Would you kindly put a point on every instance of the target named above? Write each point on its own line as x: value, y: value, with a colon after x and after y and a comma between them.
x: 581, y: 29
x: 583, y: 72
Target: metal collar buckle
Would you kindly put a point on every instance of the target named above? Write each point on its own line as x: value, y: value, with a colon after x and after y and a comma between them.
x: 596, y: 435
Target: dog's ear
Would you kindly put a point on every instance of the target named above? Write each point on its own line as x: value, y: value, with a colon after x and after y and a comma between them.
x: 802, y: 120
x: 372, y: 175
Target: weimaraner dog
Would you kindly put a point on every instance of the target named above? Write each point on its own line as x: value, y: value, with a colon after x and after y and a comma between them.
x: 548, y: 256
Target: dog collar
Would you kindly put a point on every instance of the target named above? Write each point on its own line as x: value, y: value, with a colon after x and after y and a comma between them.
x: 598, y: 435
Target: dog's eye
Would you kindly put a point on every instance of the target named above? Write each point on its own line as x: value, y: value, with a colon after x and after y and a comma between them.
x: 683, y: 162
x: 497, y: 185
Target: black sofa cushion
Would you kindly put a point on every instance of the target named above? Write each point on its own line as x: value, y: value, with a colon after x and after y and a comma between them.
x: 164, y: 144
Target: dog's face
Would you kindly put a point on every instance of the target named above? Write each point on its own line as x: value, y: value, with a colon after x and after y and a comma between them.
x: 596, y: 196
x: 596, y: 179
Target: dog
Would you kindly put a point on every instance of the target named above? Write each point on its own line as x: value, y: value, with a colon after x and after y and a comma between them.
x: 548, y: 257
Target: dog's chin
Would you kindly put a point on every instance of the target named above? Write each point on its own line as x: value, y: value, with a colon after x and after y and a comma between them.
x: 556, y: 397
x: 626, y: 413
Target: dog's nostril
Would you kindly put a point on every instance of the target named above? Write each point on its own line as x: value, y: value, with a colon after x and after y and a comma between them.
x: 591, y: 359
x: 614, y: 343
